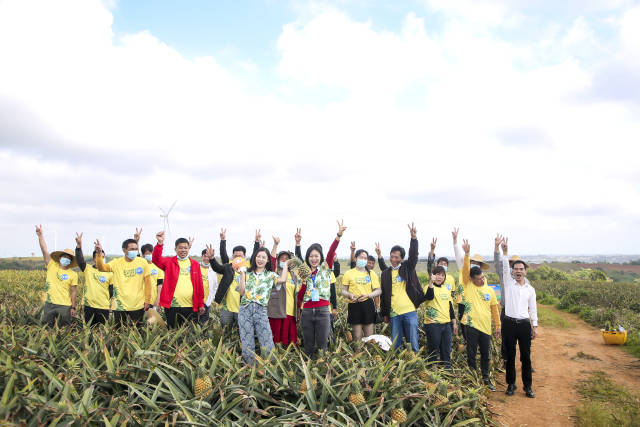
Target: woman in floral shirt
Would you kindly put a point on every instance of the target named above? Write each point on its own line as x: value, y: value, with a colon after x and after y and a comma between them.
x: 255, y: 290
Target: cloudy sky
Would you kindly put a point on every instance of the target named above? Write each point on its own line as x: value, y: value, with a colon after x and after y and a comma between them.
x: 492, y: 115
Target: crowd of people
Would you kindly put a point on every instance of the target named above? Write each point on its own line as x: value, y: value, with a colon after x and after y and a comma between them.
x: 272, y: 293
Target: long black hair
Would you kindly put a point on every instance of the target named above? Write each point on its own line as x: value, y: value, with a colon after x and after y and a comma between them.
x: 267, y: 266
x: 316, y: 247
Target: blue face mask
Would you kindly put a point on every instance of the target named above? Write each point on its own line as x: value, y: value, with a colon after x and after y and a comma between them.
x: 183, y: 259
x: 361, y: 263
x: 282, y: 264
x: 132, y: 254
x: 147, y: 257
x: 65, y: 262
x: 445, y: 268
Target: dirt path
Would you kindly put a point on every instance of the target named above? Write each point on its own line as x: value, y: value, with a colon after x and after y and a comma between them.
x: 557, y: 369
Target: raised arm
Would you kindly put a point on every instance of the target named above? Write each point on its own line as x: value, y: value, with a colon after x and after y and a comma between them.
x: 156, y: 256
x: 413, y: 247
x: 257, y: 243
x: 224, y: 258
x: 507, y: 280
x: 332, y: 249
x: 466, y: 265
x: 381, y: 263
x: 497, y: 261
x: 298, y: 238
x: 100, y: 265
x: 431, y: 259
x: 352, y: 259
x: 79, y: 256
x: 274, y: 253
x: 336, y: 266
x: 43, y: 245
x: 456, y: 251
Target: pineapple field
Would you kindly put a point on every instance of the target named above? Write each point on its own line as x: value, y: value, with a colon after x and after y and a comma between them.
x: 195, y: 376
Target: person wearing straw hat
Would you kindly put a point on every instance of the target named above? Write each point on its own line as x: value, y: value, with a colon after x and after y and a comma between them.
x: 97, y: 300
x: 481, y: 310
x: 61, y: 284
x: 476, y: 260
x: 520, y: 320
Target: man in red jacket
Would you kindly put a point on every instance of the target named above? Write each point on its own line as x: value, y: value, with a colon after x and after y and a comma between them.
x: 182, y: 293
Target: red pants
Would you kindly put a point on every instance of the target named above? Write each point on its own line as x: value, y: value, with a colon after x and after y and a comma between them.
x: 284, y: 331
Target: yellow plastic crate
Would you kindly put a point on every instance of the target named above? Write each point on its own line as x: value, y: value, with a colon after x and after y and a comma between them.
x: 614, y: 337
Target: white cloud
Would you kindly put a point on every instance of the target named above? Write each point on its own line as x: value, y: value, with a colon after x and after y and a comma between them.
x: 110, y: 127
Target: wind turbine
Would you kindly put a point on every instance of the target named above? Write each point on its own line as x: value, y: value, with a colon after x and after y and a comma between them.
x: 165, y: 216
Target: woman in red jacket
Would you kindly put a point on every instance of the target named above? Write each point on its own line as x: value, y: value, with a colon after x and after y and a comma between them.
x: 182, y: 293
x: 314, y: 294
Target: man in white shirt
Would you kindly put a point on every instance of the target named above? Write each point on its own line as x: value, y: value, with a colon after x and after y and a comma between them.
x: 520, y: 320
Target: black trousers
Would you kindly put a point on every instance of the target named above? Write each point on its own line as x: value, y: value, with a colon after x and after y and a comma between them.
x: 176, y: 316
x: 460, y: 325
x: 476, y: 339
x: 520, y: 332
x: 503, y: 344
x: 95, y: 316
x: 133, y: 316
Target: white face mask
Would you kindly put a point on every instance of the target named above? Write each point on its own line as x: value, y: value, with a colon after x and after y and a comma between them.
x: 361, y: 263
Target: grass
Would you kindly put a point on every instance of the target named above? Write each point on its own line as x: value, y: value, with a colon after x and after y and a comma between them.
x: 585, y: 356
x: 606, y: 403
x: 548, y: 317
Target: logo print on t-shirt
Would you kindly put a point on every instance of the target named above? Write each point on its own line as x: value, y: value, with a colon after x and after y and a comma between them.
x: 154, y: 271
x: 64, y: 276
x: 367, y: 279
x: 189, y: 269
x: 448, y: 287
x: 102, y: 279
x: 487, y: 297
x: 399, y: 279
x: 139, y: 270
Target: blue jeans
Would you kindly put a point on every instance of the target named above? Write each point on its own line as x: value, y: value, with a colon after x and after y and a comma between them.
x: 439, y: 337
x: 404, y: 329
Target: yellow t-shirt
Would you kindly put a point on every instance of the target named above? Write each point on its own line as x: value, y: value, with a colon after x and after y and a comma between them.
x: 360, y: 282
x: 459, y: 294
x: 58, y: 283
x: 96, y: 293
x: 183, y: 295
x: 437, y: 310
x: 156, y: 274
x: 205, y: 281
x: 128, y: 282
x: 477, y: 302
x: 231, y: 301
x: 400, y: 301
x: 291, y: 295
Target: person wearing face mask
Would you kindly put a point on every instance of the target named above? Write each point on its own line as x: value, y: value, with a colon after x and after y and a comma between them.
x: 282, y: 304
x: 182, y: 293
x: 210, y: 285
x: 255, y: 290
x: 481, y: 309
x: 97, y: 299
x: 314, y: 295
x: 157, y: 275
x: 61, y: 284
x: 441, y: 262
x: 359, y: 286
x: 402, y: 294
x: 131, y: 282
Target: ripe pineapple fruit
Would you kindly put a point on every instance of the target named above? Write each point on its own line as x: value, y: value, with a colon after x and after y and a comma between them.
x: 398, y: 415
x: 304, y: 271
x: 378, y: 358
x: 349, y: 336
x: 423, y: 375
x: 356, y: 399
x: 303, y: 385
x: 203, y: 387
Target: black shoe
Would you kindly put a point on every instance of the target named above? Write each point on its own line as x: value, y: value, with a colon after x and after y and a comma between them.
x: 529, y: 392
x: 511, y: 388
x: 490, y: 386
